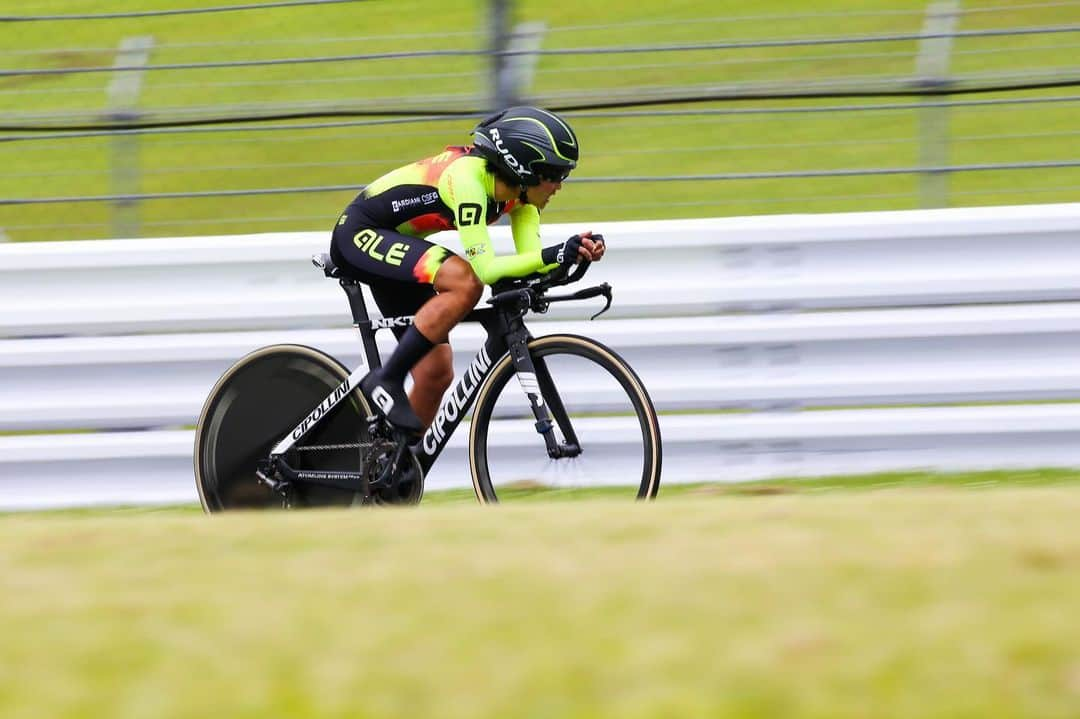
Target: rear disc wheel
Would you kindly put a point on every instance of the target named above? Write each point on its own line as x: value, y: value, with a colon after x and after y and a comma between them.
x: 256, y: 403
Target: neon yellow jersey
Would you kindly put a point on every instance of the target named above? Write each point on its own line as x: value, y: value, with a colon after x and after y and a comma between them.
x: 454, y: 190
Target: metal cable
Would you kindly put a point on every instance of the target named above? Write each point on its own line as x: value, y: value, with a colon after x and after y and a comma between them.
x: 615, y: 50
x: 568, y: 102
x: 728, y: 19
x: 579, y: 69
x: 393, y: 161
x: 798, y: 174
x: 830, y: 173
x: 155, y: 170
x: 704, y: 113
x: 564, y: 209
x: 242, y: 128
x: 903, y: 54
x: 606, y: 26
x: 338, y: 81
x: 715, y: 202
x: 157, y: 13
x: 306, y: 42
x: 641, y: 95
x: 1024, y: 48
x: 594, y: 209
x: 1013, y: 8
x: 249, y: 63
x: 614, y: 153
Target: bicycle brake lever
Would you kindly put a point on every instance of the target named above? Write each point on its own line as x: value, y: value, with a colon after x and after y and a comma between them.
x: 605, y: 290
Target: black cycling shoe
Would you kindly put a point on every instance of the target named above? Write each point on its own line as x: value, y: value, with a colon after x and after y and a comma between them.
x: 390, y: 400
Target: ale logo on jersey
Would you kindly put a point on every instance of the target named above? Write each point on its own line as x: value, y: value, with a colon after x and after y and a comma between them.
x: 469, y: 214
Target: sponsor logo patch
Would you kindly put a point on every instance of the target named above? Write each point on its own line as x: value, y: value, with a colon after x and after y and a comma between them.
x: 469, y: 214
x: 428, y: 198
x: 380, y: 323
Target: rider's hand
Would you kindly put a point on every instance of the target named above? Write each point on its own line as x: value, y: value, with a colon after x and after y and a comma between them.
x: 593, y: 245
x: 565, y: 254
x: 585, y: 246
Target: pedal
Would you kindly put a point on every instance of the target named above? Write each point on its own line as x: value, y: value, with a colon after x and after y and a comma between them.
x: 389, y: 473
x: 270, y: 482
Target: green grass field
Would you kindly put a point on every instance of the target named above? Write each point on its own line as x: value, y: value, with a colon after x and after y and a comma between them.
x: 914, y: 597
x: 632, y: 146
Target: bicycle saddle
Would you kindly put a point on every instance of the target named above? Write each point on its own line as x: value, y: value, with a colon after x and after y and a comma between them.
x: 324, y: 263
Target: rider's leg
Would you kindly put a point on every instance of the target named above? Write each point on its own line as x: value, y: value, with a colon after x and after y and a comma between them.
x: 407, y: 275
x: 459, y: 290
x: 432, y: 376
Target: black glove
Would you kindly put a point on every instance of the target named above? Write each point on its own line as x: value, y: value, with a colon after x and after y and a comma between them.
x: 564, y: 254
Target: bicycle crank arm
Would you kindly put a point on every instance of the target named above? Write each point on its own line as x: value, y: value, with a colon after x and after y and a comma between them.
x: 389, y: 473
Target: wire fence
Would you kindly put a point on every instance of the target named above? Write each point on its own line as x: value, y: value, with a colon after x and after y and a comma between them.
x: 680, y: 116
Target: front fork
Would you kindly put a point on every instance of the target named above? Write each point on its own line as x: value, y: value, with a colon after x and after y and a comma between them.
x: 547, y: 405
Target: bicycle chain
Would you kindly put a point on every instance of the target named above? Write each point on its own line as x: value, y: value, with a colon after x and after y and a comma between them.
x: 371, y: 454
x: 332, y: 447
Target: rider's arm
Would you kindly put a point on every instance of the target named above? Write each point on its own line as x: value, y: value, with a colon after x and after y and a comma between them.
x: 463, y: 190
x: 525, y: 223
x: 525, y: 226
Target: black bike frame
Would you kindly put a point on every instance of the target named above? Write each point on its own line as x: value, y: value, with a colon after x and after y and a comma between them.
x: 506, y: 331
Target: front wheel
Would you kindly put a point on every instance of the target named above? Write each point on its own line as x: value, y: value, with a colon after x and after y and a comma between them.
x: 603, y: 419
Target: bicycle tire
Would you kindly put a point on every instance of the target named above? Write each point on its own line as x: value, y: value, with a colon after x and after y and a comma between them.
x: 255, y: 403
x: 628, y: 405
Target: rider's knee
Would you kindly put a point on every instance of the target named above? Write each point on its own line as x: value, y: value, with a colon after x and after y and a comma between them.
x: 458, y: 277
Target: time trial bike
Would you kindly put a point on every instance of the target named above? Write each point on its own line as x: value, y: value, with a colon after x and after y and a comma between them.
x: 287, y: 426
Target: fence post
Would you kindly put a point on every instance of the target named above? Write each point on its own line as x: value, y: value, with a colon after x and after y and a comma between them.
x: 525, y: 41
x: 932, y: 72
x: 123, y: 95
x: 502, y: 65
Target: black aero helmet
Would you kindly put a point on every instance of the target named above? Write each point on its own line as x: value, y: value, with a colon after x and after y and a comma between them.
x: 527, y: 143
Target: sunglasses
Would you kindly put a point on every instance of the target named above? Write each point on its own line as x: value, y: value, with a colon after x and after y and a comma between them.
x: 553, y: 174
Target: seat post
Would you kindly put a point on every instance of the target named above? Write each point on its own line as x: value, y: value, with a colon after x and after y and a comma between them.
x: 354, y: 291
x: 356, y: 300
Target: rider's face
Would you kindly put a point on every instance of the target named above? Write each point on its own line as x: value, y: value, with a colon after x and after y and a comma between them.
x: 540, y: 194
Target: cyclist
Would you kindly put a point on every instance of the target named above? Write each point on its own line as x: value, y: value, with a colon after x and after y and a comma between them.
x: 518, y: 160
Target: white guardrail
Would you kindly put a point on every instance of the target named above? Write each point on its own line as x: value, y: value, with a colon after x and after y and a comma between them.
x: 124, y: 338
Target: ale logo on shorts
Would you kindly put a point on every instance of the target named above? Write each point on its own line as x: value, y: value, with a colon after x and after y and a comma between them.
x: 469, y: 214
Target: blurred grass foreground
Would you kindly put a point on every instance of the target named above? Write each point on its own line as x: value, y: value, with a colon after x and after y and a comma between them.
x: 937, y: 601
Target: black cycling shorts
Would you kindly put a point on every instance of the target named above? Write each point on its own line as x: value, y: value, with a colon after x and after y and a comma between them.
x: 399, y: 269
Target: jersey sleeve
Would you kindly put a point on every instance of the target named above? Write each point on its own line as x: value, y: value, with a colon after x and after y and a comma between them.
x: 462, y: 189
x: 525, y: 226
